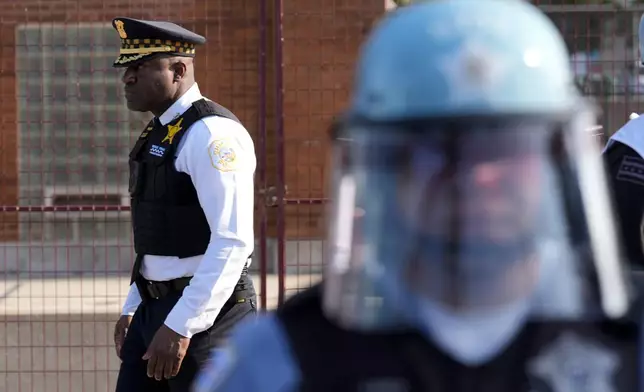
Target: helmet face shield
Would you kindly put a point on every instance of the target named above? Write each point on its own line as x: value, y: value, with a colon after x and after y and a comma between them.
x: 471, y: 215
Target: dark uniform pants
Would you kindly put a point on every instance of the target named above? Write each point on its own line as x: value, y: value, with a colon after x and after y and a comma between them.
x: 148, y: 318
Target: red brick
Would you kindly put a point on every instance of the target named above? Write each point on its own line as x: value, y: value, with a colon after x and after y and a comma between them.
x: 321, y: 38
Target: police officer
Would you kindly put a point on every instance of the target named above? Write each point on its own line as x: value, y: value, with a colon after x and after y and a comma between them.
x: 623, y: 155
x: 471, y: 242
x: 191, y: 186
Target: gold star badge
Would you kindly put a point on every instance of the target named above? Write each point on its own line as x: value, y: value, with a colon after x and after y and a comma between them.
x: 172, y: 131
x: 120, y: 27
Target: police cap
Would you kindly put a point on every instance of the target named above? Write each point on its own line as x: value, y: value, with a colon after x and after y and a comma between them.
x: 142, y: 40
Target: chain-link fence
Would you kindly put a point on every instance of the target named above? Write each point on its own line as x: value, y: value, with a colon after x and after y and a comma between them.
x: 284, y: 67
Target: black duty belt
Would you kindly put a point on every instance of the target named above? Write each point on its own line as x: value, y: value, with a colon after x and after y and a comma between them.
x: 160, y: 289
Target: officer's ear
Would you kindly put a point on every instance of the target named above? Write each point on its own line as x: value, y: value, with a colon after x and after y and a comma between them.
x: 179, y: 68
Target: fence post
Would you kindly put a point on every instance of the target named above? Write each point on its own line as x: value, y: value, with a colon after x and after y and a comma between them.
x: 261, y: 128
x: 279, y: 131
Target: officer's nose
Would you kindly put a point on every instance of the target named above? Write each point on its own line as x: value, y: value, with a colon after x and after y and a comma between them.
x: 487, y: 175
x: 129, y: 76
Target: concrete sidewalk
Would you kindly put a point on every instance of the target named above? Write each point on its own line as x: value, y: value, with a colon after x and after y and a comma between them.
x: 56, y: 334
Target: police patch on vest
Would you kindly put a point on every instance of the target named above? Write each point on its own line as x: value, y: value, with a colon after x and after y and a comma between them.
x: 572, y: 363
x: 157, y: 151
x: 222, y: 155
x: 632, y: 170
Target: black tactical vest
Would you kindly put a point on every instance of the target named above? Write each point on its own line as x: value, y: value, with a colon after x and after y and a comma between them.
x: 551, y: 357
x: 167, y: 218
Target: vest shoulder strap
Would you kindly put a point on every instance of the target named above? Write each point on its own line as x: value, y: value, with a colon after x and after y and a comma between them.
x: 204, y: 108
x: 142, y: 140
x: 311, y: 334
x: 199, y: 110
x: 301, y: 317
x: 309, y: 299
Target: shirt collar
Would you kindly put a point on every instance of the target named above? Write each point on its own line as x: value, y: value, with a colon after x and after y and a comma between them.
x: 181, y: 105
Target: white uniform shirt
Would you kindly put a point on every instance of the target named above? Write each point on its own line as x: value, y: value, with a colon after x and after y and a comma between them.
x: 631, y: 134
x: 226, y: 193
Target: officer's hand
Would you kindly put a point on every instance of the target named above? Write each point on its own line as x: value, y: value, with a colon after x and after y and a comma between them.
x: 165, y: 354
x: 120, y: 330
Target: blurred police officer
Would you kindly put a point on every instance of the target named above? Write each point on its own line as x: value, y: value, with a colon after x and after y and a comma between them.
x: 471, y: 244
x: 191, y: 186
x: 623, y: 155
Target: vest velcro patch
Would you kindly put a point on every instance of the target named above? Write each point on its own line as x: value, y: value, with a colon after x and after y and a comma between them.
x: 157, y: 151
x: 631, y: 170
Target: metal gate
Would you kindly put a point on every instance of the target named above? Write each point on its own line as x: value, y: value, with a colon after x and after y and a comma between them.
x: 283, y: 66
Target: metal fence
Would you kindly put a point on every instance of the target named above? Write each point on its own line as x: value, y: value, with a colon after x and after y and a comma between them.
x: 602, y: 39
x: 284, y: 67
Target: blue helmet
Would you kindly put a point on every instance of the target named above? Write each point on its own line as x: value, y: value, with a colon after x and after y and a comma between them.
x: 465, y: 183
x: 474, y: 64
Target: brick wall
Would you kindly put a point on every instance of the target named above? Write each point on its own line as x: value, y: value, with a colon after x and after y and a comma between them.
x: 8, y: 134
x: 321, y: 38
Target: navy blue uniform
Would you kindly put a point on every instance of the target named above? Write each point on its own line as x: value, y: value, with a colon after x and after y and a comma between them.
x: 273, y: 354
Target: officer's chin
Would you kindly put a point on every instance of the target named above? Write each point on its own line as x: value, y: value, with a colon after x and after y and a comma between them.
x: 136, y: 106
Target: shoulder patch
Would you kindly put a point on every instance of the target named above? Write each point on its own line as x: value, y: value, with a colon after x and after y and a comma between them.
x: 223, y: 156
x: 572, y: 363
x: 631, y: 169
